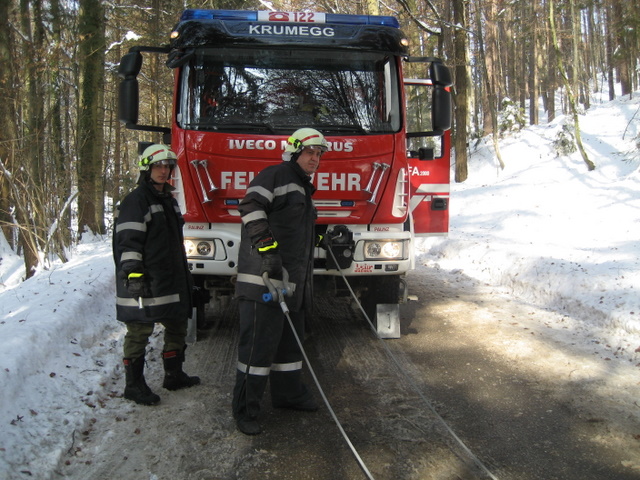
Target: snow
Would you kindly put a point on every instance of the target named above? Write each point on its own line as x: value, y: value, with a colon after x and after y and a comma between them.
x: 552, y: 232
x: 544, y: 229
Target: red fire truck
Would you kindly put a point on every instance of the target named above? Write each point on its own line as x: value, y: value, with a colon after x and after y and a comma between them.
x: 246, y: 80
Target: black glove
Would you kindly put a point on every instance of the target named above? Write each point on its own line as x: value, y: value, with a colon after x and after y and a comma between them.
x: 271, y: 265
x: 136, y: 286
x: 322, y: 241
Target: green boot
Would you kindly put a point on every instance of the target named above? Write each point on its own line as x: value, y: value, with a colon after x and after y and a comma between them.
x: 174, y: 377
x: 136, y: 388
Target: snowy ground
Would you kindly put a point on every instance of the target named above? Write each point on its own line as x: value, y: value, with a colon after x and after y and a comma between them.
x: 554, y: 233
x: 545, y: 228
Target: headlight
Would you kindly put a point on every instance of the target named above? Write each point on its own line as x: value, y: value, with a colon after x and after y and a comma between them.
x: 204, y: 248
x: 189, y: 247
x: 384, y: 250
x: 199, y: 248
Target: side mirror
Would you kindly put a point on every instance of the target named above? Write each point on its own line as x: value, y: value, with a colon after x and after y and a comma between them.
x: 129, y: 92
x: 440, y: 74
x: 130, y: 65
x: 442, y: 109
x: 442, y: 105
x: 128, y: 98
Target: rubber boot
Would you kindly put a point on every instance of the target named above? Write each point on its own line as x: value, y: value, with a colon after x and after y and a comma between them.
x: 136, y: 388
x: 288, y: 391
x: 247, y: 394
x: 174, y: 377
x: 249, y: 426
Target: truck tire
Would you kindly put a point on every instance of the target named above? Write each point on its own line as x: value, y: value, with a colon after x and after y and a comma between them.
x: 200, y: 299
x: 380, y: 289
x: 200, y: 315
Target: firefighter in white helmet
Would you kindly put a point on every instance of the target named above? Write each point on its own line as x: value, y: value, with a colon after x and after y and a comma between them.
x: 153, y: 281
x: 278, y: 219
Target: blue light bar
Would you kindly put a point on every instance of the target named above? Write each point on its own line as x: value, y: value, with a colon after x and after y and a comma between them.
x: 252, y: 16
x: 363, y: 20
x: 201, y: 14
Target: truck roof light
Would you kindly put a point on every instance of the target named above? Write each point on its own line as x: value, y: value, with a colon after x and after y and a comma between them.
x: 293, y: 17
x: 363, y: 20
x: 204, y: 14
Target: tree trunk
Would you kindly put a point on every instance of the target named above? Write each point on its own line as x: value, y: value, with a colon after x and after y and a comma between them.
x: 523, y: 33
x: 534, y: 87
x: 8, y: 132
x: 622, y: 48
x: 509, y: 52
x: 31, y: 23
x: 26, y: 161
x: 549, y: 86
x: 61, y: 183
x: 462, y: 84
x: 609, y: 52
x: 117, y: 154
x: 90, y: 116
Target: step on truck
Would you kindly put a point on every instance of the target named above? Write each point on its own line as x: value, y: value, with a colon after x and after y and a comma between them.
x: 244, y: 81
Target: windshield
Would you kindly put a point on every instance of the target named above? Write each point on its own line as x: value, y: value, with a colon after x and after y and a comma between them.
x: 276, y: 90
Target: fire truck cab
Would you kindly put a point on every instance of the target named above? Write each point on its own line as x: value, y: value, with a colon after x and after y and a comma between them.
x: 245, y: 80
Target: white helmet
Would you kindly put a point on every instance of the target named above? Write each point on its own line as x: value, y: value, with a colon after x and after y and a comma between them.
x: 303, y: 137
x: 156, y: 153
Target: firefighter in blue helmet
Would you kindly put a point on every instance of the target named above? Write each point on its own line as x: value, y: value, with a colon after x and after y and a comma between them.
x: 278, y: 219
x: 153, y: 281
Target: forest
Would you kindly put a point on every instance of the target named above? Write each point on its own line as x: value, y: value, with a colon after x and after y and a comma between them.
x: 65, y: 159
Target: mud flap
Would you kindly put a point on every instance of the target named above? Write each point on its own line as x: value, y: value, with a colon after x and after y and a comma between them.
x: 388, y: 320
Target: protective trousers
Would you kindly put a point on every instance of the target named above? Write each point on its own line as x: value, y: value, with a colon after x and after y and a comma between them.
x: 137, y: 337
x: 267, y: 350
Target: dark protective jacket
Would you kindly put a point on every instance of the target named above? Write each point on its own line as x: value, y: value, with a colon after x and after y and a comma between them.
x: 278, y: 202
x: 148, y: 239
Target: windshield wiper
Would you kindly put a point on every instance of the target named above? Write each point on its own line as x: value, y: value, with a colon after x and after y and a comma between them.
x: 245, y: 126
x: 343, y: 128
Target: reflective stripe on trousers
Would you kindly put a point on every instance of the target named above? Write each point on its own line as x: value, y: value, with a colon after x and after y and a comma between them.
x: 276, y: 367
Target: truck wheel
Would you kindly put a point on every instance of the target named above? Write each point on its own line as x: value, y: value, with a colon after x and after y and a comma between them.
x: 200, y: 318
x: 201, y: 298
x: 380, y: 289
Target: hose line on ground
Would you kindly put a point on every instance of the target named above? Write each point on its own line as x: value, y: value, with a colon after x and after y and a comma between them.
x: 462, y: 445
